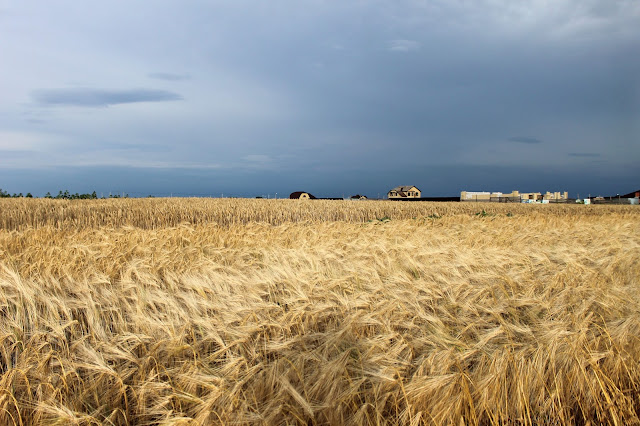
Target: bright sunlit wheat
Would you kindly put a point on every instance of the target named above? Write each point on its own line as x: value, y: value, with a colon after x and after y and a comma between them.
x: 200, y: 311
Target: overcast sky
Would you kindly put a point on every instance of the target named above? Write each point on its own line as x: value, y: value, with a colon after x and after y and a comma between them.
x: 339, y: 97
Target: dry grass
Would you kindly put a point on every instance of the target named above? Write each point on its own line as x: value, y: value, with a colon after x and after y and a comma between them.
x: 152, y: 213
x: 285, y: 312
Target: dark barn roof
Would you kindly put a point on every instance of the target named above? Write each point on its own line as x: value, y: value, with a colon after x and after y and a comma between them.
x: 405, y: 188
x: 633, y: 194
x: 296, y: 195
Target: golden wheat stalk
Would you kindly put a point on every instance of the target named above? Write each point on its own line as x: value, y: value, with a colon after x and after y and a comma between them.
x: 276, y: 311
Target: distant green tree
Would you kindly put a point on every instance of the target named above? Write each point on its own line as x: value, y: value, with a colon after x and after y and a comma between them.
x: 62, y: 195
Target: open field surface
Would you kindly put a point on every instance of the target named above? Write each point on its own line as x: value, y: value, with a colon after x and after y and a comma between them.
x: 151, y: 213
x: 168, y: 311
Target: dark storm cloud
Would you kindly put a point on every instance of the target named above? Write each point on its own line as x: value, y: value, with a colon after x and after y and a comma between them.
x: 331, y: 93
x: 169, y: 76
x: 522, y: 139
x: 86, y: 97
x: 437, y: 181
x: 584, y: 154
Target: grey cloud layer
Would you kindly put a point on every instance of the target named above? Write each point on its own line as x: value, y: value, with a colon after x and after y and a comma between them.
x: 584, y: 154
x: 338, y: 88
x: 169, y: 76
x: 522, y: 139
x: 86, y: 97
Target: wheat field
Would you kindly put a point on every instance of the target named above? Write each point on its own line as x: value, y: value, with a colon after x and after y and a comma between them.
x: 202, y: 311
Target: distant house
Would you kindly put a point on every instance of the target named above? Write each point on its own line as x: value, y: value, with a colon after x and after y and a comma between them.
x: 358, y: 197
x: 300, y: 195
x: 556, y: 196
x: 400, y: 192
x: 514, y: 196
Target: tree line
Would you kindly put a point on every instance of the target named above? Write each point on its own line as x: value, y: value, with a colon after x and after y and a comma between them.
x: 66, y: 195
